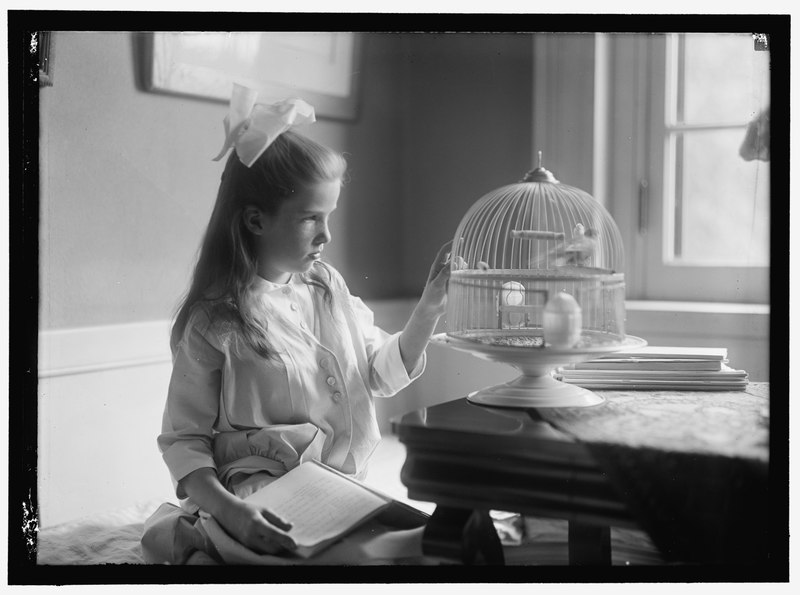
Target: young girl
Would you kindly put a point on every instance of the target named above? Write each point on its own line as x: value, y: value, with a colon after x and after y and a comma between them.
x: 274, y: 362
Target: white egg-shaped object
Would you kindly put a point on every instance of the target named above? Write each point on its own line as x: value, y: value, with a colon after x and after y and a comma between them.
x: 562, y: 321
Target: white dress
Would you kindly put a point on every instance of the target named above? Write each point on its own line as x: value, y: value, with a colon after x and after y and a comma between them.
x: 233, y: 410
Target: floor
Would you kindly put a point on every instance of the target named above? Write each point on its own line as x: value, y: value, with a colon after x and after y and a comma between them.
x: 384, y: 472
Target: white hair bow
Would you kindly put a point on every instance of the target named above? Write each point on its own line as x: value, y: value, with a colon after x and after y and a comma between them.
x: 250, y: 127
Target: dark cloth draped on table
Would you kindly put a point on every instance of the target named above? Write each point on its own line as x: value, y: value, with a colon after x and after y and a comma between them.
x: 692, y: 467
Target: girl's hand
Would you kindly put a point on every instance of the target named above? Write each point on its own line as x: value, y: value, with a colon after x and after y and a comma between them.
x: 434, y: 296
x: 433, y: 303
x: 255, y: 527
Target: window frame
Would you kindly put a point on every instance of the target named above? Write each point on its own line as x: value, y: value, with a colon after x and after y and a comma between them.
x: 634, y: 78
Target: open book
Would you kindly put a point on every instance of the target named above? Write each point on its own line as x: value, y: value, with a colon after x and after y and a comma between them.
x: 322, y: 504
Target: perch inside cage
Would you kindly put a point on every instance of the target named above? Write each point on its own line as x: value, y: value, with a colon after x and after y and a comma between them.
x: 536, y: 284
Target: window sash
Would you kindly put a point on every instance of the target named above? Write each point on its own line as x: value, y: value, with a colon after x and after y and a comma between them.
x: 644, y: 114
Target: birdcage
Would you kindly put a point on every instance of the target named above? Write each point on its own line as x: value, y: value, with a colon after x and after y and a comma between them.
x: 537, y: 282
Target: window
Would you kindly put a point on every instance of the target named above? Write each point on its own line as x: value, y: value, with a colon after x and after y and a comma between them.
x: 715, y: 85
x: 694, y: 213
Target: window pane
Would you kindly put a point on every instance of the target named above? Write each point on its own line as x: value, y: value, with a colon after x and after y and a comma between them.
x: 724, y: 78
x: 723, y: 202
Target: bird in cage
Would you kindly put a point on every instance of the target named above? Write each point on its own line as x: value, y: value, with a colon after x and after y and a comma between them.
x: 580, y: 250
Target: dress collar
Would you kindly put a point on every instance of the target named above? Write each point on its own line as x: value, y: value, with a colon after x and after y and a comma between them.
x: 262, y: 285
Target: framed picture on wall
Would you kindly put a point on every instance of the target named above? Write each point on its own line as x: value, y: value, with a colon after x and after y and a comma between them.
x: 46, y: 53
x: 320, y: 67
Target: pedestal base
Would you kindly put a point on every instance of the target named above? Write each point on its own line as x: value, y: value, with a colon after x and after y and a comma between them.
x: 535, y: 391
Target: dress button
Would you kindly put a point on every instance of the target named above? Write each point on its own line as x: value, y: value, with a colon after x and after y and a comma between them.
x: 287, y: 290
x: 302, y: 325
x: 323, y: 363
x: 337, y: 396
x: 293, y: 307
x: 331, y: 381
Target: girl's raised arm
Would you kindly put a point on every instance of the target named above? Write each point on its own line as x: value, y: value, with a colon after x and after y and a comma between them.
x: 433, y: 303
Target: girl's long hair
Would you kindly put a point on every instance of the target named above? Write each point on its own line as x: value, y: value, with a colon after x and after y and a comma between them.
x: 226, y: 267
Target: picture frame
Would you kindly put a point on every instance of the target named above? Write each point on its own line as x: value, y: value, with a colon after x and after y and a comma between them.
x: 323, y: 68
x: 45, y: 50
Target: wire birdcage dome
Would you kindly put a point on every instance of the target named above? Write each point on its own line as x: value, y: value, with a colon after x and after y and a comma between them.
x: 537, y: 280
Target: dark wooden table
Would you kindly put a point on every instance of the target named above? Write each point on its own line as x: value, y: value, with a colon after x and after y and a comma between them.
x: 612, y: 465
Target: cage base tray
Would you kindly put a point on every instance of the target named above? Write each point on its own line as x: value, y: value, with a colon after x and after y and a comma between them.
x: 535, y: 391
x: 536, y: 387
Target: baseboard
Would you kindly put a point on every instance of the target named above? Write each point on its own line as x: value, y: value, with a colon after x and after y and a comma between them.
x: 65, y: 352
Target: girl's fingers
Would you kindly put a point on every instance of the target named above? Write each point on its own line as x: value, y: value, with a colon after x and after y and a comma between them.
x: 443, y: 255
x: 271, y: 517
x: 282, y: 541
x: 444, y: 249
x: 443, y: 273
x: 440, y: 269
x: 274, y: 543
x: 270, y: 540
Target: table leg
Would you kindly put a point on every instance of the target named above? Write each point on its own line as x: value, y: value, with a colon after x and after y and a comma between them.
x: 462, y: 534
x: 589, y: 545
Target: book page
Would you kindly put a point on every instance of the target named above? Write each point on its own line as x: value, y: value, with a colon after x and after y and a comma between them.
x: 319, y: 503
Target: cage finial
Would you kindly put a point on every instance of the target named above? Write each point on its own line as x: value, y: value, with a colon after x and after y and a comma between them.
x: 540, y: 174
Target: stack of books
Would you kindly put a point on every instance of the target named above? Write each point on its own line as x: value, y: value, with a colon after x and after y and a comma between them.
x: 657, y: 368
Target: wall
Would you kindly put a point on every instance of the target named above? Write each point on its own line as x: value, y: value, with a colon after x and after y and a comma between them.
x: 127, y: 176
x: 564, y: 85
x: 367, y: 241
x: 467, y: 131
x: 127, y: 179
